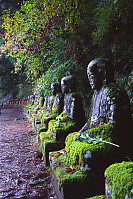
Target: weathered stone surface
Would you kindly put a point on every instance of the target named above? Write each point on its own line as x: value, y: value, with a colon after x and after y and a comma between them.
x: 71, y: 119
x: 102, y: 140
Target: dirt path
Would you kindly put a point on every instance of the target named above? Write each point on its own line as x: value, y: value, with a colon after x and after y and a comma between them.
x: 22, y: 173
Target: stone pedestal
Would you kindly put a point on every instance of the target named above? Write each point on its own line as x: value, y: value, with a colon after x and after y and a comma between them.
x: 52, y: 146
x: 76, y: 190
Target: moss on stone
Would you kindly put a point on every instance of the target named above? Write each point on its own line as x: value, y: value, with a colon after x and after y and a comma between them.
x: 73, y: 155
x: 119, y: 177
x: 75, y: 149
x: 52, y: 101
x: 60, y: 125
x: 42, y: 100
x: 54, y: 111
x: 97, y: 197
x: 42, y: 129
x: 66, y: 174
x: 46, y: 137
x: 43, y: 108
x: 33, y: 115
x: 61, y: 128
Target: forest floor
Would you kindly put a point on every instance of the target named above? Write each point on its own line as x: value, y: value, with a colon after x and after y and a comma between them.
x: 22, y: 171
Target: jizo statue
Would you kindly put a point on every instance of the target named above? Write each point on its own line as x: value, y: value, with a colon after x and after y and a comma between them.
x: 106, y: 136
x: 73, y: 106
x: 110, y: 103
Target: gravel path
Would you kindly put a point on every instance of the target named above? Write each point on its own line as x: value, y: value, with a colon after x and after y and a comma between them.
x: 22, y: 172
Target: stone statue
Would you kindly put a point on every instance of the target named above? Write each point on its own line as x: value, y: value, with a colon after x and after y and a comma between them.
x: 46, y: 113
x: 54, y: 104
x: 73, y: 107
x: 71, y: 119
x: 105, y: 138
x: 73, y: 115
x: 55, y: 88
x: 110, y: 103
x: 48, y: 101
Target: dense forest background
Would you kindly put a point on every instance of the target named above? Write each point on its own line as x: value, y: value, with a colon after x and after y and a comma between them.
x: 44, y: 40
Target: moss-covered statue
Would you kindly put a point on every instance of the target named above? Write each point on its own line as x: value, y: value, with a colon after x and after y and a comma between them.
x: 55, y: 88
x: 53, y: 106
x: 103, y: 140
x: 73, y: 108
x: 71, y: 119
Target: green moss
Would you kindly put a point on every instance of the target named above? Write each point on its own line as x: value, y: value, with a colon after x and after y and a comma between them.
x: 76, y: 149
x: 43, y: 108
x: 120, y: 178
x: 42, y: 129
x: 73, y: 155
x: 58, y: 128
x: 97, y: 197
x: 64, y: 176
x: 52, y: 101
x: 34, y: 115
x: 65, y: 118
x: 42, y: 135
x: 41, y: 115
x: 52, y: 115
x: 41, y: 100
x: 68, y: 178
x: 54, y: 111
x: 51, y: 124
x: 60, y: 125
x: 64, y: 127
x: 44, y: 138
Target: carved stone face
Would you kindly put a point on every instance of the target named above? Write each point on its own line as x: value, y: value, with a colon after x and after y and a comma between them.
x: 64, y: 86
x: 54, y: 88
x: 96, y: 75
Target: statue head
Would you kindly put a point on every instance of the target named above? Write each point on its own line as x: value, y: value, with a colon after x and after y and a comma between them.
x: 55, y: 88
x: 100, y: 72
x: 68, y: 84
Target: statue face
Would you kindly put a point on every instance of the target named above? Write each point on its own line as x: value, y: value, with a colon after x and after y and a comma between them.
x: 96, y: 76
x: 54, y: 89
x: 64, y: 87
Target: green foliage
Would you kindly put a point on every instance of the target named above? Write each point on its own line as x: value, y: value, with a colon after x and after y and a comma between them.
x: 98, y: 197
x: 126, y: 82
x: 45, y: 36
x: 112, y: 33
x: 53, y: 39
x: 24, y: 90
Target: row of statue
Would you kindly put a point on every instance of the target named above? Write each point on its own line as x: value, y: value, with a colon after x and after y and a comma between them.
x: 109, y: 119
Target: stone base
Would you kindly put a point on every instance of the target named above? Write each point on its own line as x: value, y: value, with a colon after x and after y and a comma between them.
x: 52, y: 146
x: 60, y: 136
x: 79, y: 190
